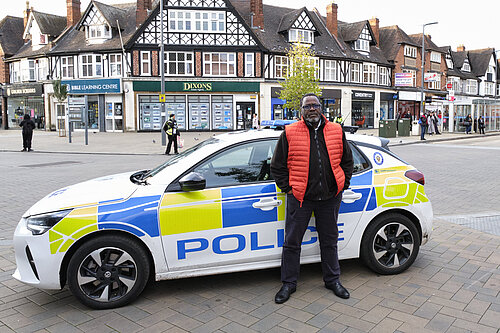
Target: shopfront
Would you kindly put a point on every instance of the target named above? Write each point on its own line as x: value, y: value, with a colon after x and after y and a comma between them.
x: 387, y: 105
x: 104, y: 103
x: 462, y: 108
x: 330, y: 102
x: 198, y: 106
x: 408, y: 101
x: 362, y: 114
x: 25, y: 99
x: 490, y: 111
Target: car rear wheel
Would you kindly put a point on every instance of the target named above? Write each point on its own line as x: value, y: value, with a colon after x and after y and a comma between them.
x: 108, y: 271
x: 390, y: 244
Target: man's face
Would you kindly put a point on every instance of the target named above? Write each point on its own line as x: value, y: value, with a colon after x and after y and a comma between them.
x: 314, y: 113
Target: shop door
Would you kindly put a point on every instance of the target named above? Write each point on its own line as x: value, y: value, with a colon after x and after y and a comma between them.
x: 245, y: 113
x: 114, y: 117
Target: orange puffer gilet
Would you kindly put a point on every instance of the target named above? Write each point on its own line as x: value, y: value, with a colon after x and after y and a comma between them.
x: 299, y: 147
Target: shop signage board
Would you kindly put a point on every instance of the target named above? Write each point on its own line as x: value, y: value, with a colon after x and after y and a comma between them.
x: 76, y: 108
x: 449, y: 85
x: 363, y: 95
x: 201, y: 86
x: 403, y: 80
x: 25, y: 90
x: 432, y: 77
x: 94, y: 86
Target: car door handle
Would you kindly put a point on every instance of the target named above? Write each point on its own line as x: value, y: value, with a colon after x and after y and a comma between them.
x: 350, y: 196
x: 266, y: 204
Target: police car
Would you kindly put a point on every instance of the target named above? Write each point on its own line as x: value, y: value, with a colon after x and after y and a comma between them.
x: 212, y: 209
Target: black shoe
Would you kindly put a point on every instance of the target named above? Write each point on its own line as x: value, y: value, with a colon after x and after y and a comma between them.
x: 338, y: 289
x: 24, y: 149
x: 29, y: 149
x: 284, y: 294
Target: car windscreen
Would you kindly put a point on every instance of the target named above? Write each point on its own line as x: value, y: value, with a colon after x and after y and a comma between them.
x: 177, y: 158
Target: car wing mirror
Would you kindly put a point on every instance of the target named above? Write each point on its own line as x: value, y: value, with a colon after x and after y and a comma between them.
x: 193, y: 181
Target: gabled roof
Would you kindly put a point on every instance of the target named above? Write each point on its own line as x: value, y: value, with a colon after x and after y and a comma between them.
x: 429, y: 44
x: 288, y: 19
x: 111, y: 13
x: 74, y: 40
x: 350, y: 32
x: 480, y: 60
x: 11, y: 34
x: 49, y: 24
x: 272, y: 40
x: 458, y: 58
x: 391, y: 39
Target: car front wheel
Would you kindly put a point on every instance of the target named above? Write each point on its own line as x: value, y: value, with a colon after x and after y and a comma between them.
x: 108, y: 271
x: 390, y: 244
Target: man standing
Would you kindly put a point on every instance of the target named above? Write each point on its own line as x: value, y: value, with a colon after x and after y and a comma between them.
x: 313, y: 164
x: 423, y: 125
x: 170, y: 127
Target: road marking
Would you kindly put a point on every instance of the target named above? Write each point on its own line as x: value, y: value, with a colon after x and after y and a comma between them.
x: 459, y: 146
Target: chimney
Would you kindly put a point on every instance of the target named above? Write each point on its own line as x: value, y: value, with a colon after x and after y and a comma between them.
x: 141, y: 13
x: 26, y: 12
x: 428, y: 36
x: 73, y: 13
x: 374, y: 24
x: 331, y: 19
x: 461, y: 48
x: 257, y: 13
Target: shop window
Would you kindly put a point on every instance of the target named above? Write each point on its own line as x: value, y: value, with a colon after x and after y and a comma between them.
x: 199, y: 112
x: 281, y: 66
x: 219, y: 64
x: 178, y: 63
x: 145, y: 63
x: 355, y: 72
x: 249, y: 65
x: 67, y: 67
x: 370, y: 73
x: 196, y: 21
x: 222, y: 112
x: 115, y: 64
x: 410, y: 51
x: 299, y: 35
x: 331, y: 70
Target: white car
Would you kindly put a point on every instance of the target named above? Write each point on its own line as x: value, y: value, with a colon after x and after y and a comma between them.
x: 212, y: 209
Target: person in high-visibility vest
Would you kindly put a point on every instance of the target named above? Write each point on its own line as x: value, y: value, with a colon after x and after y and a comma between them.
x: 339, y: 119
x: 170, y: 127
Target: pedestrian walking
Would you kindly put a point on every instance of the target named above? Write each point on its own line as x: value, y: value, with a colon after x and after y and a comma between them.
x: 170, y: 127
x: 430, y: 124
x: 423, y: 126
x: 435, y: 122
x: 468, y: 124
x: 28, y: 126
x: 480, y: 125
x: 255, y: 121
x: 313, y: 164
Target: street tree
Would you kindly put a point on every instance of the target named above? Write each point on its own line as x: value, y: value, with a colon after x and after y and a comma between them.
x: 300, y: 76
x: 60, y: 91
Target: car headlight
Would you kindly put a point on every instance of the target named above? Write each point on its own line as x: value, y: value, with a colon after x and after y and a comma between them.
x: 39, y: 224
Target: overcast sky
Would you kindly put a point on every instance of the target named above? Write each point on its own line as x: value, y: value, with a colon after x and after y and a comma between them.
x: 473, y: 24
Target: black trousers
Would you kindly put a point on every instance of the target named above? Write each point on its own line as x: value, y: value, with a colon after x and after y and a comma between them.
x: 172, y: 138
x: 297, y: 219
x: 27, y: 140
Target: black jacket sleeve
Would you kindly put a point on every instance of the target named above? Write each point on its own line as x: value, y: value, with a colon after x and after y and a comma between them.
x: 279, y: 167
x: 347, y: 162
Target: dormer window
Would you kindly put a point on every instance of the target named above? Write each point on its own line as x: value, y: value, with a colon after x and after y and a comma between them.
x: 435, y: 57
x: 43, y: 39
x: 466, y: 66
x: 98, y: 31
x: 449, y: 62
x: 299, y: 35
x: 410, y: 51
x: 363, y: 42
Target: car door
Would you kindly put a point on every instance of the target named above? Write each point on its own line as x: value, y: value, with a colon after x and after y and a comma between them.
x: 238, y: 217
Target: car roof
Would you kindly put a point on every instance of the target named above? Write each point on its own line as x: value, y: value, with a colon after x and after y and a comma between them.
x: 239, y: 136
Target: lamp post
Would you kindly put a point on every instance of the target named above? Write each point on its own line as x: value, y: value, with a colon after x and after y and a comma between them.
x: 423, y: 62
x: 162, y: 71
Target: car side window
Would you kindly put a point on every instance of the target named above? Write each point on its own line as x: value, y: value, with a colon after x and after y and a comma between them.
x: 247, y: 163
x: 360, y: 161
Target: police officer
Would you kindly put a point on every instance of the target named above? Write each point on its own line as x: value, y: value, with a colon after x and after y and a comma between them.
x: 339, y: 119
x: 313, y: 164
x: 170, y: 127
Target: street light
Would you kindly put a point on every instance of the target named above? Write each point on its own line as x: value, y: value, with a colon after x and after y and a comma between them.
x: 423, y: 62
x: 162, y: 73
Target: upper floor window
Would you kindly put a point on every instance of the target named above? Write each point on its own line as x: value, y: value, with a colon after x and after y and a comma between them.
x: 179, y: 63
x: 331, y: 70
x: 383, y: 76
x: 410, y: 51
x: 220, y: 64
x: 43, y: 39
x: 355, y: 72
x: 362, y: 45
x: 43, y: 69
x: 436, y: 57
x: 145, y: 63
x: 299, y: 35
x: 449, y: 62
x: 471, y: 87
x: 67, y: 67
x: 489, y: 88
x: 28, y: 70
x: 97, y: 31
x: 91, y: 65
x: 435, y: 84
x: 115, y: 65
x: 15, y: 73
x: 466, y: 66
x: 197, y: 21
x: 249, y: 64
x: 281, y: 66
x: 413, y: 75
x: 370, y: 73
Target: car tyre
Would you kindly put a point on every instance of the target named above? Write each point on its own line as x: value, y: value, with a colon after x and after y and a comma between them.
x: 390, y: 244
x: 108, y: 271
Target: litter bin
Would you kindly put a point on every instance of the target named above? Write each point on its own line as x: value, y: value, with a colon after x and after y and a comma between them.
x: 415, y: 127
x: 404, y: 127
x: 387, y: 128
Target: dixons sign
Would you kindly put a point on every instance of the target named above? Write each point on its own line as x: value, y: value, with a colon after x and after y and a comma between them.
x: 197, y: 86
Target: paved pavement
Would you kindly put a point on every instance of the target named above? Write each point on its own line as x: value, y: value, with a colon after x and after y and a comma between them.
x: 150, y: 143
x: 454, y: 285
